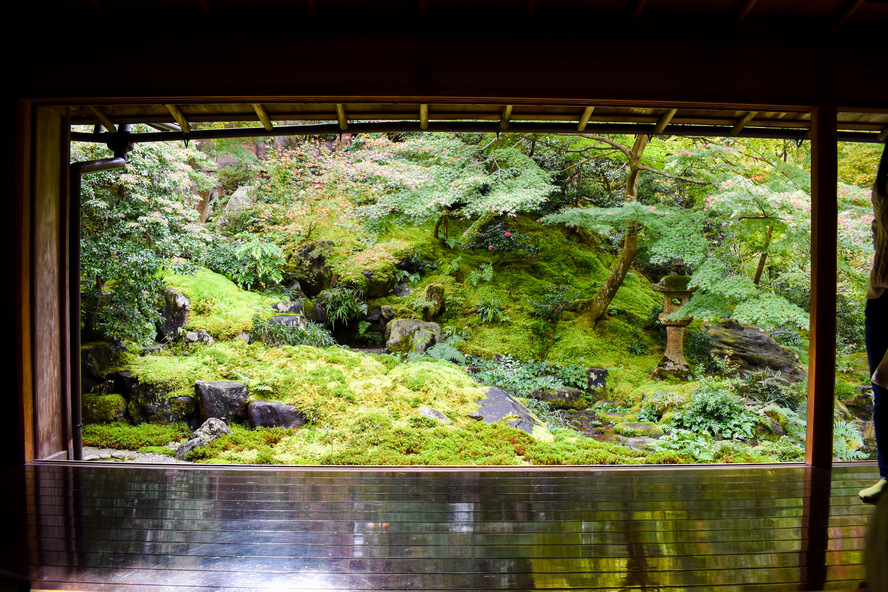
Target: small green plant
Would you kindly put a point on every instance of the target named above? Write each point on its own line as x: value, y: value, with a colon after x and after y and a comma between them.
x: 274, y: 334
x: 489, y: 310
x: 248, y: 261
x: 716, y: 411
x: 483, y: 274
x: 554, y: 302
x: 847, y: 441
x: 342, y: 304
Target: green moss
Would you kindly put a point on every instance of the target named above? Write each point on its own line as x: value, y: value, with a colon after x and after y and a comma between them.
x: 103, y: 408
x: 218, y: 305
x: 127, y: 437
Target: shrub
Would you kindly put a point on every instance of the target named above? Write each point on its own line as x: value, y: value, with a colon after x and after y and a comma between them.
x: 499, y: 237
x: 555, y: 301
x: 716, y: 411
x: 342, y: 304
x: 248, y: 261
x: 274, y: 334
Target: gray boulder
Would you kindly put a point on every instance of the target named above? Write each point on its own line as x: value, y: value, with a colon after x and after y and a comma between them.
x: 406, y: 335
x: 271, y: 414
x: 755, y: 350
x: 240, y: 199
x: 223, y: 400
x: 199, y: 336
x: 211, y: 429
x: 94, y: 358
x: 596, y: 381
x: 97, y: 408
x: 313, y: 269
x: 151, y: 403
x: 290, y: 320
x: 174, y: 315
x: 378, y: 284
x: 498, y: 404
x: 291, y: 307
x: 562, y: 398
x: 433, y: 414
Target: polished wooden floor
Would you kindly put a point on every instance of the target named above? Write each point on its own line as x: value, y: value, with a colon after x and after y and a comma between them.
x: 110, y: 527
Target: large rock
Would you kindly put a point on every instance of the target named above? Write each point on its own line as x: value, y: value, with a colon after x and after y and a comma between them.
x: 406, y: 335
x: 151, y: 403
x: 240, y: 199
x: 562, y: 398
x: 292, y: 320
x: 223, y: 400
x: 291, y: 307
x: 174, y: 316
x: 379, y: 283
x: 271, y: 414
x: 754, y: 350
x: 434, y: 295
x: 94, y: 358
x: 312, y: 267
x: 211, y: 429
x: 497, y: 405
x: 103, y: 408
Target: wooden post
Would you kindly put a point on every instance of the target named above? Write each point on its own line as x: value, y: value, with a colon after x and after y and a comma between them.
x: 824, y: 244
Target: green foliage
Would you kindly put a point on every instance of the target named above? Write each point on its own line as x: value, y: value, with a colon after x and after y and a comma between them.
x: 554, y: 302
x: 134, y: 223
x: 483, y: 273
x: 275, y: 334
x: 716, y: 411
x: 248, y: 261
x: 489, y: 310
x: 519, y: 378
x: 847, y: 441
x: 770, y: 386
x: 128, y: 437
x: 342, y: 304
x: 499, y: 237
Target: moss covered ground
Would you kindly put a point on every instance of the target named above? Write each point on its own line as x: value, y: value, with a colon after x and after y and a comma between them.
x: 362, y: 408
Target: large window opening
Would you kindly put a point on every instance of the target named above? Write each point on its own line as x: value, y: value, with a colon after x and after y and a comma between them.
x: 398, y: 297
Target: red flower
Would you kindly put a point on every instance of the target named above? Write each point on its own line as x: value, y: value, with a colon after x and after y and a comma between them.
x: 490, y: 248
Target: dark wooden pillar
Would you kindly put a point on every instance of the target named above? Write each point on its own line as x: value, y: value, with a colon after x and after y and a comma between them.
x: 824, y: 237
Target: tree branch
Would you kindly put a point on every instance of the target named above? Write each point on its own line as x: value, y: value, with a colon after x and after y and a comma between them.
x: 671, y: 176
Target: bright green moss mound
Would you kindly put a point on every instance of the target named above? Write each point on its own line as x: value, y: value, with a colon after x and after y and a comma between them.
x: 218, y: 305
x: 128, y: 437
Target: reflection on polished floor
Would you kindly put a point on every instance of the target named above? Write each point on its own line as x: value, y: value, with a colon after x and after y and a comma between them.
x: 106, y: 527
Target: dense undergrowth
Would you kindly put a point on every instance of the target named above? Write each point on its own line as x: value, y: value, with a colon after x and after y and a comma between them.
x: 461, y: 225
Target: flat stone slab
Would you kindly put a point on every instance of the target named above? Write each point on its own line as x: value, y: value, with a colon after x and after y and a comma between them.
x: 498, y: 405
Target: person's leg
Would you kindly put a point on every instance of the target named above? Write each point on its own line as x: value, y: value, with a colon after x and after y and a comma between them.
x: 876, y: 328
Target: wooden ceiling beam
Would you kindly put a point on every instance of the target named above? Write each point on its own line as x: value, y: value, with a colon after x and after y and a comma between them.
x: 99, y: 8
x: 883, y: 135
x: 263, y: 116
x: 664, y: 121
x: 424, y: 116
x: 179, y: 117
x: 340, y: 116
x: 743, y: 12
x: 528, y: 12
x: 847, y: 14
x: 106, y: 121
x: 421, y: 8
x: 636, y: 10
x: 312, y: 8
x: 205, y: 7
x: 507, y: 115
x: 742, y: 122
x: 584, y: 118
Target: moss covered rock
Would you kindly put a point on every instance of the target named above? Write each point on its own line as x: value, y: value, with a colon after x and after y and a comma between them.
x: 103, y: 408
x: 406, y: 335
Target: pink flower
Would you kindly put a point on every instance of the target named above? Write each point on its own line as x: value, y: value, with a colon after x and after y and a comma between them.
x: 507, y: 234
x: 490, y: 248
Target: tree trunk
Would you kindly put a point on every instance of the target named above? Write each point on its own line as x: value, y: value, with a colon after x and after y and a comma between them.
x: 600, y: 303
x: 763, y: 257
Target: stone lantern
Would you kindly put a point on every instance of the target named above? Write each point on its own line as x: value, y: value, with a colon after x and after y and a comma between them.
x: 675, y: 295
